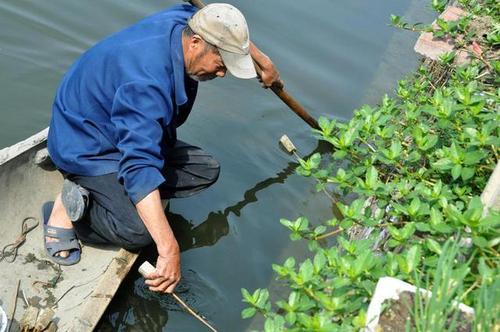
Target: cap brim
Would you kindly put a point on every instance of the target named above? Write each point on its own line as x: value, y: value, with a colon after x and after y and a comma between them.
x: 239, y: 65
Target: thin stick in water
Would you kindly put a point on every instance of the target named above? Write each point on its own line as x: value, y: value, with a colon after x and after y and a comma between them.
x: 191, y: 311
x: 146, y: 268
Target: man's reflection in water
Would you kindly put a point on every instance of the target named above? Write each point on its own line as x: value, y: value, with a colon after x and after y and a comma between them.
x: 205, y: 234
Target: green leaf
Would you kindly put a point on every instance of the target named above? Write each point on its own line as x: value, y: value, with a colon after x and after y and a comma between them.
x: 306, y: 270
x: 467, y: 173
x: 346, y: 223
x: 395, y: 20
x: 325, y: 125
x: 456, y: 171
x: 395, y: 233
x: 408, y: 230
x: 289, y: 263
x: 303, y: 172
x: 359, y: 321
x: 372, y: 177
x: 393, y: 243
x: 332, y: 222
x: 391, y: 267
x: 341, y: 174
x: 395, y: 149
x: 439, y: 5
x: 447, y: 58
x: 403, y: 264
x: 414, y: 207
x: 443, y: 228
x: 430, y: 142
x: 274, y: 324
x: 423, y: 227
x: 480, y: 241
x: 414, y: 156
x: 413, y: 258
x: 314, y: 161
x: 304, y: 164
x: 474, y: 211
x: 262, y: 297
x: 285, y: 222
x: 492, y: 220
x: 474, y: 157
x: 472, y: 132
x: 443, y: 164
x: 362, y: 262
x: 433, y: 246
x: 246, y: 296
x: 248, y: 312
x: 293, y: 299
x: 485, y: 272
x: 319, y: 261
x: 340, y: 282
x: 340, y: 154
x: 437, y: 223
x: 436, y: 217
x: 319, y: 230
x: 291, y: 318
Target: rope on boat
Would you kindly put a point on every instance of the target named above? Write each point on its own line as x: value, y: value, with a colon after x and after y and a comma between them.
x: 12, y: 248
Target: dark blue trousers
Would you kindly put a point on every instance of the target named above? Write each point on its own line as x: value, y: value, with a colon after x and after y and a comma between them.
x: 111, y: 217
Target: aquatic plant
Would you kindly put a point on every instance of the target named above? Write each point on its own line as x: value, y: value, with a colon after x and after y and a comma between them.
x: 414, y: 167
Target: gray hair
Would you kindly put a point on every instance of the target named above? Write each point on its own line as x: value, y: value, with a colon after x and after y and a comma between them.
x: 188, y: 32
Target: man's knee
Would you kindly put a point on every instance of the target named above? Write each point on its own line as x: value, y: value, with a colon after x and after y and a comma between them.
x: 124, y: 229
x: 136, y: 240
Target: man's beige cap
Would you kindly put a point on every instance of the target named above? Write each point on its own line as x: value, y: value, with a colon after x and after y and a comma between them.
x: 225, y: 27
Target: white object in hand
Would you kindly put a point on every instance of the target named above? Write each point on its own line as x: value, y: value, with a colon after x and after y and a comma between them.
x: 146, y: 268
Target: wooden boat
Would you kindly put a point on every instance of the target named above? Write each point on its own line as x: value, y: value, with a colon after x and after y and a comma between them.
x: 78, y: 294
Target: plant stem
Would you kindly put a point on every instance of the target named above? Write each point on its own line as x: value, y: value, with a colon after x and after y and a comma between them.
x: 323, y: 236
x: 368, y: 144
x: 474, y: 285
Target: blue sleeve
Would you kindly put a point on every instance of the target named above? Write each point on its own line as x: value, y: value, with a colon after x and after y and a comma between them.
x: 139, y: 109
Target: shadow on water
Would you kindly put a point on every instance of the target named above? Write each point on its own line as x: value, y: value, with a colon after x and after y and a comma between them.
x: 216, y: 225
x: 134, y: 312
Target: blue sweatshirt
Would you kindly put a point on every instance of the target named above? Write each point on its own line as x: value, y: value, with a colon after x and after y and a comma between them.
x: 118, y: 106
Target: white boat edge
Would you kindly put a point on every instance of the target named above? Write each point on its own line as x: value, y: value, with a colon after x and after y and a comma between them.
x: 19, y: 148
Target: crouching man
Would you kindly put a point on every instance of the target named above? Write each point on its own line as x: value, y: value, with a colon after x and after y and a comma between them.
x: 113, y: 131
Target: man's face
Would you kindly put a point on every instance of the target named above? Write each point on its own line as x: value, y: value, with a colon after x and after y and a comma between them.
x: 203, y: 63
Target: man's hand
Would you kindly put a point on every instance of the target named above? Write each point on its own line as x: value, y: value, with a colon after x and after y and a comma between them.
x: 269, y: 75
x: 168, y: 272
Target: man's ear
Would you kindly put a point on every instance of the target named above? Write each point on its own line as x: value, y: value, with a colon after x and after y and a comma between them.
x: 196, y: 41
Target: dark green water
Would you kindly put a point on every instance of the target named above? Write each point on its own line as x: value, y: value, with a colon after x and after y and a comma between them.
x: 333, y: 55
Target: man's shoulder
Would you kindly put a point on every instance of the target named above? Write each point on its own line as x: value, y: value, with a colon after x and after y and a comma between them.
x: 156, y: 26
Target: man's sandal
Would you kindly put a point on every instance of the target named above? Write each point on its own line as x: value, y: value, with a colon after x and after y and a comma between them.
x: 67, y: 240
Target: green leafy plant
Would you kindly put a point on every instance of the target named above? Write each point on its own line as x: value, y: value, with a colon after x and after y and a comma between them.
x: 414, y: 168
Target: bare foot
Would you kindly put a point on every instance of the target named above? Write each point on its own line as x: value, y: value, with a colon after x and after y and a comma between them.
x: 59, y: 218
